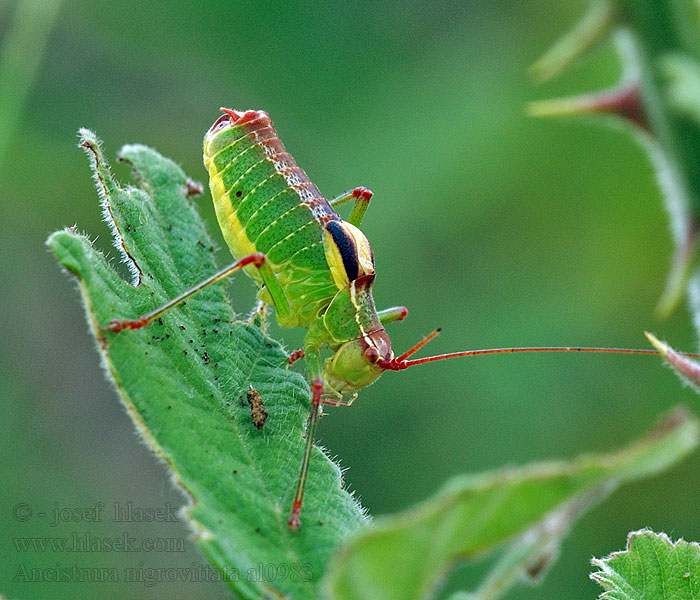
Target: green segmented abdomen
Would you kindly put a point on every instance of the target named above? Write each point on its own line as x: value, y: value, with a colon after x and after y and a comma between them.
x: 266, y: 203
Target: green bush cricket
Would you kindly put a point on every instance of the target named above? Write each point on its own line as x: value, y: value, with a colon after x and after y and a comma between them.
x: 316, y: 269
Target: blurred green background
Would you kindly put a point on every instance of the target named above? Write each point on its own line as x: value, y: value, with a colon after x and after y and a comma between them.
x: 502, y: 229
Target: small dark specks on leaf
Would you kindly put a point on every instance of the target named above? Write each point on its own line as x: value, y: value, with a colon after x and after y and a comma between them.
x: 211, y: 248
x: 193, y: 188
x: 320, y: 523
x: 216, y: 378
x: 182, y: 327
x: 167, y: 335
x: 257, y: 530
x: 240, y: 399
x: 170, y: 226
x: 153, y: 293
x: 160, y: 322
x: 235, y: 471
x: 216, y: 364
x: 170, y: 406
x: 239, y: 194
x: 185, y: 351
x: 215, y: 330
x: 191, y: 341
x: 146, y: 352
x: 204, y: 332
x: 205, y: 357
x: 201, y: 244
x: 269, y: 344
x: 211, y: 395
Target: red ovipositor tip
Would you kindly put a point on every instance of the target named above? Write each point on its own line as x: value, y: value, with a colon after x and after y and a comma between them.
x: 233, y: 114
x: 243, y: 117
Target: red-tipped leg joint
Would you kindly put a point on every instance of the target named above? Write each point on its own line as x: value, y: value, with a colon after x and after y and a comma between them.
x: 317, y: 391
x: 362, y: 192
x: 117, y: 326
x: 295, y: 356
x: 294, y: 522
x: 256, y: 259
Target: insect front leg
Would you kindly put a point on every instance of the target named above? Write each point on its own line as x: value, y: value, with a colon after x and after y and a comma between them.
x: 313, y: 361
x: 361, y: 196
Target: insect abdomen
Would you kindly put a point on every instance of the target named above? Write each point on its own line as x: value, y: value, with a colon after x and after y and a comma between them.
x: 266, y: 203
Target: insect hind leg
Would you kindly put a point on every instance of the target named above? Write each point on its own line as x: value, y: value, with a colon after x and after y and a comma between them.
x: 257, y: 259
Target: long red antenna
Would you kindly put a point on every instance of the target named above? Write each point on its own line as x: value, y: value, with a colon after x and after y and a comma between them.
x: 419, y: 345
x: 400, y: 363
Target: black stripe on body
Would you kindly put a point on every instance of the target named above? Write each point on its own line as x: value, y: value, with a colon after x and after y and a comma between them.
x: 346, y: 246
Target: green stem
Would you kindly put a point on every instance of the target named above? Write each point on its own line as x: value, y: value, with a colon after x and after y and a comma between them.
x: 653, y: 31
x: 659, y: 28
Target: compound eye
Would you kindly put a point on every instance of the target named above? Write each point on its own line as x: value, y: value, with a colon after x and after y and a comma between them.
x: 372, y: 354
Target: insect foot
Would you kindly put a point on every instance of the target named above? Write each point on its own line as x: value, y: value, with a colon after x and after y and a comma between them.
x: 117, y: 326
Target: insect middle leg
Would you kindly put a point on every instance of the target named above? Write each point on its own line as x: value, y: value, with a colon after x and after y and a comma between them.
x: 257, y: 259
x: 395, y: 313
x: 361, y: 196
x: 388, y: 315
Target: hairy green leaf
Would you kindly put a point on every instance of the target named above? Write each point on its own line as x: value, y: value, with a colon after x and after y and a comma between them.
x: 182, y: 379
x: 404, y: 556
x: 652, y: 566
